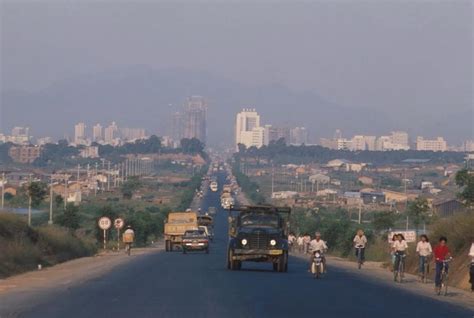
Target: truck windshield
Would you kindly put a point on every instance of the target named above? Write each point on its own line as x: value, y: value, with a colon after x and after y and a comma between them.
x: 259, y: 220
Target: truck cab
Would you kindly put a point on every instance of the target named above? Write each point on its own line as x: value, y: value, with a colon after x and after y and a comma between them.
x: 258, y: 234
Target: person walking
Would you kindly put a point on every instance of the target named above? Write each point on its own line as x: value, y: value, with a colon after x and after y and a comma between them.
x: 471, y: 268
x: 306, y: 241
x: 441, y: 253
x: 300, y: 243
x: 424, y: 250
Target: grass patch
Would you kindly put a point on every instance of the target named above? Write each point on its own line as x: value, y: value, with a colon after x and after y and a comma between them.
x: 23, y: 247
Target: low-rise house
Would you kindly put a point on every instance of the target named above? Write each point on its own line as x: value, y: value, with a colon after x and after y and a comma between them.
x: 366, y: 180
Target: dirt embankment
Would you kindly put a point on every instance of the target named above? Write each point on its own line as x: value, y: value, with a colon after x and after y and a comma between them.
x: 23, y: 248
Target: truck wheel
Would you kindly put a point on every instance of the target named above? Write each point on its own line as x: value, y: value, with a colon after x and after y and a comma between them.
x: 184, y: 250
x: 282, y: 262
x: 275, y: 266
x: 234, y: 264
x: 167, y: 245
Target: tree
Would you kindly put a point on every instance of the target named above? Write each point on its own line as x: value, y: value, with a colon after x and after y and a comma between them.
x: 192, y: 146
x: 418, y: 211
x: 465, y: 180
x: 384, y: 220
x: 58, y: 200
x: 129, y: 187
x: 37, y: 191
x: 70, y: 217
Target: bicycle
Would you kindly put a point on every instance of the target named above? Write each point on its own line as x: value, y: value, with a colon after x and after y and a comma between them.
x: 444, y: 277
x: 359, y: 256
x: 128, y: 248
x: 399, y: 273
x: 426, y: 270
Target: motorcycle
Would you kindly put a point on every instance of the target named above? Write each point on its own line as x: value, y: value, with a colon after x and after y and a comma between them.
x: 317, y: 266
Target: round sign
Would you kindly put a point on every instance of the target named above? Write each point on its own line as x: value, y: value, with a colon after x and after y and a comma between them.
x: 118, y: 223
x: 104, y: 223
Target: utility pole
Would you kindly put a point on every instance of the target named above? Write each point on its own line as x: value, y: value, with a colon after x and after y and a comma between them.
x: 78, y: 172
x: 95, y: 179
x: 108, y: 176
x: 65, y: 190
x: 360, y: 212
x: 3, y: 190
x: 29, y: 200
x: 273, y: 180
x: 51, y: 201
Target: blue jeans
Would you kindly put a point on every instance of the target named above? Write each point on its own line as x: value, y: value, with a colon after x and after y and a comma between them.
x: 422, y: 261
x: 439, y: 269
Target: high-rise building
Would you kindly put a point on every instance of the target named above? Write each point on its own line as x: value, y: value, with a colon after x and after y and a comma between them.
x: 111, y: 133
x: 20, y: 135
x: 438, y: 144
x: 247, y: 120
x: 195, y: 113
x: 400, y: 138
x: 133, y: 133
x: 247, y: 129
x: 298, y: 136
x: 177, y: 132
x: 97, y: 133
x: 79, y: 133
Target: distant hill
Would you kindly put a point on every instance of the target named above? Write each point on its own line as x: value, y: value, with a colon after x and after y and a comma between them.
x: 140, y: 97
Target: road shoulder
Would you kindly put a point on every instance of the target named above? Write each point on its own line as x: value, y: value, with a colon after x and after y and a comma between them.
x: 24, y: 291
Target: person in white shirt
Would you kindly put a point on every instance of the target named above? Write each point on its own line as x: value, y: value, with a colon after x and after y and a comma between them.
x: 471, y: 269
x: 300, y: 243
x: 360, y: 241
x: 317, y: 244
x: 399, y: 248
x: 424, y: 250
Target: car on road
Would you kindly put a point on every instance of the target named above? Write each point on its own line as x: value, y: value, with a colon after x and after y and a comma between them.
x: 258, y: 234
x: 195, y: 240
x: 212, y: 210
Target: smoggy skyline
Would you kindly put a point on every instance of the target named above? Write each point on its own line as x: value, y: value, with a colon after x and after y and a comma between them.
x: 410, y: 62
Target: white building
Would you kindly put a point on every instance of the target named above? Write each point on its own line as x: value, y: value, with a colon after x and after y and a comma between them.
x: 247, y: 129
x: 298, y: 136
x: 79, y: 133
x: 111, y: 133
x: 400, y: 140
x: 97, y: 133
x: 438, y: 144
x: 90, y: 152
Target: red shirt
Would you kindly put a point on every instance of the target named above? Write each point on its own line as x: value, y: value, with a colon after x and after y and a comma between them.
x: 441, y: 252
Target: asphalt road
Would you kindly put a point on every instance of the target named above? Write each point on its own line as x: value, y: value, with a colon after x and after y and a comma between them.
x: 199, y: 285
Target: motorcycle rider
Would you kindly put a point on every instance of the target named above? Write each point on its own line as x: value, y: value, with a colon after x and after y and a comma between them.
x: 317, y: 244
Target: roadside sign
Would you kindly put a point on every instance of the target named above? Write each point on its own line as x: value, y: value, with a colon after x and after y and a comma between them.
x: 410, y: 236
x: 118, y: 223
x: 105, y: 223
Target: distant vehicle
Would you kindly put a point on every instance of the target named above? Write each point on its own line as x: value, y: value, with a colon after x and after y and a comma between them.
x: 227, y: 201
x: 195, y: 240
x: 258, y: 234
x: 212, y: 210
x: 213, y: 186
x: 208, y: 231
x: 176, y: 225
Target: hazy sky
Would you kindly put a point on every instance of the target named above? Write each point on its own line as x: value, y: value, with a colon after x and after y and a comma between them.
x: 404, y: 57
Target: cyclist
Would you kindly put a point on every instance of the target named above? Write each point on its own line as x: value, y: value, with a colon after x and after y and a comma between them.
x: 424, y: 250
x: 441, y: 253
x: 360, y: 241
x: 471, y: 268
x: 399, y: 249
x: 128, y: 238
x: 317, y: 244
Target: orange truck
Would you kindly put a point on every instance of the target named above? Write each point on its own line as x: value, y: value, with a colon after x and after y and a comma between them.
x: 176, y: 225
